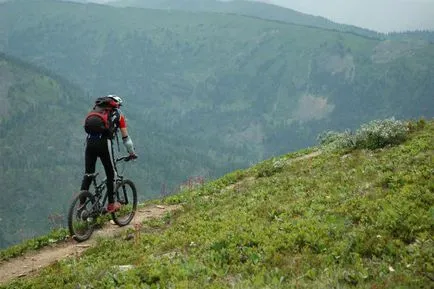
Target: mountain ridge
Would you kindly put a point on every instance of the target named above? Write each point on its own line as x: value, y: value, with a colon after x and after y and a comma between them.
x: 266, y: 11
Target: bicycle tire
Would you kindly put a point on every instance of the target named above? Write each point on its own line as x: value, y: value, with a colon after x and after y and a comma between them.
x: 80, y: 221
x: 125, y: 193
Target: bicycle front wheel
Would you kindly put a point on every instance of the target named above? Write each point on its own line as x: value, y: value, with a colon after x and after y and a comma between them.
x: 125, y: 193
x: 81, y: 221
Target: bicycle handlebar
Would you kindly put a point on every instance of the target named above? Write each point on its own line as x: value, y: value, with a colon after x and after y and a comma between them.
x: 126, y: 158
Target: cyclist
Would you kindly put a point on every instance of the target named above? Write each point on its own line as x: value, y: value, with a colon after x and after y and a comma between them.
x: 99, y: 143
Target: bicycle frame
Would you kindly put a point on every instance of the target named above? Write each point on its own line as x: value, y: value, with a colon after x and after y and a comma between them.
x: 99, y: 188
x: 82, y: 217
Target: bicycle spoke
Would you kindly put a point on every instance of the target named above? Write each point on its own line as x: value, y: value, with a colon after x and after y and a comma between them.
x: 80, y: 217
x: 125, y: 193
x: 124, y: 199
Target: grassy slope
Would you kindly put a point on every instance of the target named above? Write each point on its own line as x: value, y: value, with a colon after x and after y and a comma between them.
x: 360, y: 219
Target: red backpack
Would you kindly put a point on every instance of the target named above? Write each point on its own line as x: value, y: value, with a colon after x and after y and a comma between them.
x: 99, y: 120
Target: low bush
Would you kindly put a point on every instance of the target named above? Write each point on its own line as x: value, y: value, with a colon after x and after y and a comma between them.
x: 380, y: 133
x: 373, y: 135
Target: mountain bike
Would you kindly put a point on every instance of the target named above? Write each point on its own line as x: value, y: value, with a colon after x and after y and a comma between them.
x: 82, y: 218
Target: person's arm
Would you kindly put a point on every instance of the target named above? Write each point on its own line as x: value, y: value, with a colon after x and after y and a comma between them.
x: 126, y: 139
x: 124, y: 132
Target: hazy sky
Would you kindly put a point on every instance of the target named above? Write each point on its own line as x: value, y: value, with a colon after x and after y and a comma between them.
x: 379, y: 15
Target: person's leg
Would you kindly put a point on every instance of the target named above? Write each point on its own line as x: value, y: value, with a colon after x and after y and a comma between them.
x: 109, y: 167
x: 90, y: 163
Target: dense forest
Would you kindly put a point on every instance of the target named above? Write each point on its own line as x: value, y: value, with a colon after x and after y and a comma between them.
x: 39, y: 147
x: 205, y: 93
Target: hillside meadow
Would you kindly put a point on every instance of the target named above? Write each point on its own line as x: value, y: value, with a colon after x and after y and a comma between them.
x: 324, y: 217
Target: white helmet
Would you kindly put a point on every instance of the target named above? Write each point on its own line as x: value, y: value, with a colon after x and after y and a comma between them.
x: 116, y: 98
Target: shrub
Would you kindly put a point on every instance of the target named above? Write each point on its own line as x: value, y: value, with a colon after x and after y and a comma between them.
x: 268, y: 168
x: 337, y: 140
x: 380, y: 133
x: 373, y: 135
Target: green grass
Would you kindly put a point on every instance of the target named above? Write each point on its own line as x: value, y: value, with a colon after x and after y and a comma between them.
x: 342, y: 219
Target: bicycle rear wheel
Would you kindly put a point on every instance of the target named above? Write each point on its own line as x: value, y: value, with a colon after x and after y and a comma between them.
x: 81, y: 221
x: 126, y: 194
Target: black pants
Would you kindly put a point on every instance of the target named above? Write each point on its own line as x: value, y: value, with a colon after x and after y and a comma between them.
x: 99, y: 148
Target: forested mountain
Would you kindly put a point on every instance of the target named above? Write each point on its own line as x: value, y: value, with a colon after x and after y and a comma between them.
x: 234, y: 81
x: 422, y: 35
x: 207, y: 93
x: 39, y: 145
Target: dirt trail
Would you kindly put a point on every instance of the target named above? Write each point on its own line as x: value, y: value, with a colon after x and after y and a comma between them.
x: 32, y: 262
x: 308, y: 156
x: 250, y: 180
